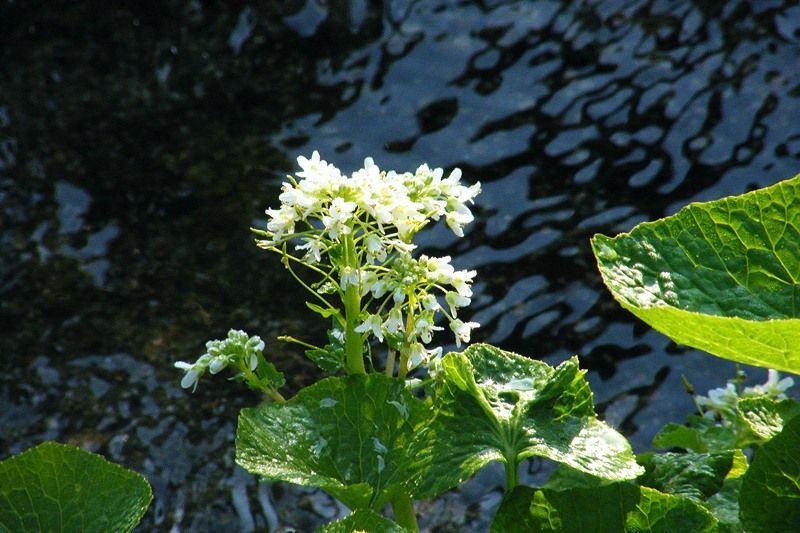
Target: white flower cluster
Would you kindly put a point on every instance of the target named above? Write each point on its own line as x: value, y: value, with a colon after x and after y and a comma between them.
x: 722, y: 402
x: 356, y: 231
x: 368, y: 199
x: 238, y: 349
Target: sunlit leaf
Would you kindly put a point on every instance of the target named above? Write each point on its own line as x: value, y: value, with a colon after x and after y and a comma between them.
x: 722, y: 276
x: 766, y: 417
x: 348, y: 436
x: 493, y: 405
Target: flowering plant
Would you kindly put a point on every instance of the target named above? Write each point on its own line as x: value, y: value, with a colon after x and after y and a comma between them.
x: 353, y: 237
x: 370, y: 436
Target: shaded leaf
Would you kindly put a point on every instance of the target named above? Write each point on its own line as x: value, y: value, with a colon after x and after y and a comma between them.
x: 769, y: 499
x: 721, y: 276
x: 348, y: 436
x: 700, y: 434
x: 615, y: 507
x: 493, y: 405
x: 330, y: 358
x: 694, y: 475
x: 725, y: 506
x: 54, y: 487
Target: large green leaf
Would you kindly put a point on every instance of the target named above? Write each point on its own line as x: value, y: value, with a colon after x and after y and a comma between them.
x: 720, y: 276
x: 769, y: 499
x: 493, y: 405
x: 616, y: 507
x: 54, y: 487
x: 347, y: 435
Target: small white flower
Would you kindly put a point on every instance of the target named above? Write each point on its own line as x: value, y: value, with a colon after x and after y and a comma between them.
x: 375, y: 248
x: 339, y: 213
x: 190, y: 379
x: 461, y: 281
x: 367, y: 281
x: 773, y: 387
x: 399, y: 295
x: 424, y: 328
x: 313, y: 246
x: 439, y: 269
x: 720, y: 398
x: 455, y: 300
x: 349, y: 276
x: 394, y: 322
x: 217, y: 364
x: 462, y: 330
x: 401, y: 246
x: 193, y: 371
x: 372, y: 324
x: 457, y: 218
x: 281, y: 221
x: 430, y: 303
x: 416, y: 355
x: 379, y: 287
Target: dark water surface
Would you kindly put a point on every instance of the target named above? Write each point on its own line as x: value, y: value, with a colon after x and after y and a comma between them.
x: 139, y: 142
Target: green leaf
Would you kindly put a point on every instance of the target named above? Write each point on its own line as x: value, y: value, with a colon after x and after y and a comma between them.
x: 725, y: 506
x: 694, y: 475
x: 770, y: 496
x: 54, y: 487
x: 363, y: 520
x: 700, y: 434
x: 721, y: 276
x: 739, y: 466
x: 615, y: 507
x: 348, y: 436
x: 325, y: 313
x: 765, y: 417
x: 564, y: 478
x: 493, y: 405
x: 331, y: 357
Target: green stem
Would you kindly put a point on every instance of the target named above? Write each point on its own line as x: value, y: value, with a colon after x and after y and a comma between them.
x: 275, y: 396
x: 512, y: 474
x: 390, y: 363
x: 404, y: 514
x: 354, y: 358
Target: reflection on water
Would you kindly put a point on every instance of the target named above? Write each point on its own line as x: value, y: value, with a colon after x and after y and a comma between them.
x: 138, y: 144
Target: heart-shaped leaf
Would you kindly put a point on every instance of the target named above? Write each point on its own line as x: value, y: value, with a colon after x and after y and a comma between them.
x: 348, y: 436
x: 722, y: 276
x: 493, y: 405
x: 54, y: 487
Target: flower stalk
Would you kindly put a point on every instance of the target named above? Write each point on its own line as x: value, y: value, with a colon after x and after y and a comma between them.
x: 353, y: 346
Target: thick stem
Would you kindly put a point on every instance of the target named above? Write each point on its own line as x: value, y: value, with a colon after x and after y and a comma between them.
x: 512, y: 474
x: 404, y: 514
x: 354, y: 356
